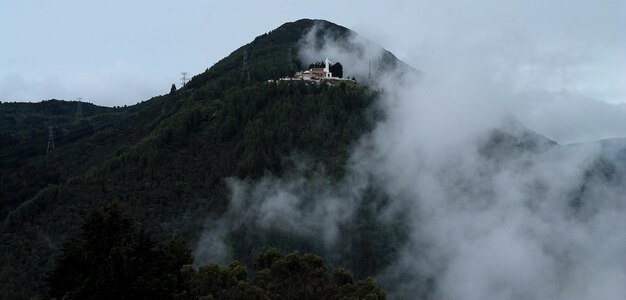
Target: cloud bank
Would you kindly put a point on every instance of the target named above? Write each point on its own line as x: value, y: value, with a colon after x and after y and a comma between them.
x: 463, y: 200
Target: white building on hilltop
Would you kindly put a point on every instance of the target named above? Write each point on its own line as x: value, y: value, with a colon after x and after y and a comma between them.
x: 314, y: 74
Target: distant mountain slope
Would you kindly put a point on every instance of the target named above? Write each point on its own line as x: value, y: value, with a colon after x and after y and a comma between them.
x: 512, y: 139
x: 165, y: 159
x: 24, y: 130
x: 80, y: 142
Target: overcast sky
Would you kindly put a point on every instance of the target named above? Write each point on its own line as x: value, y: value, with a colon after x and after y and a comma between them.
x: 121, y: 52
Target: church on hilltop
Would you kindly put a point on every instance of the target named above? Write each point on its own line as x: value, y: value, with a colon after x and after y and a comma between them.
x: 317, y: 73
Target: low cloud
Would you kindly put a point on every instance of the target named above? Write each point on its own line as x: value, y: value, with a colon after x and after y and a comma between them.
x: 474, y: 205
x: 131, y: 84
x: 359, y: 56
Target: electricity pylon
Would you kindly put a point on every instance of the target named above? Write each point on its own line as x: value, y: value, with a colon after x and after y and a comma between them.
x: 50, y: 147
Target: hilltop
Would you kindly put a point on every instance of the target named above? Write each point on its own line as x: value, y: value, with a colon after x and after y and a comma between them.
x: 189, y: 165
x: 165, y: 159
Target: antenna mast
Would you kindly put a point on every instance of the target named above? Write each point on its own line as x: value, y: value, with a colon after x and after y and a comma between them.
x: 50, y: 147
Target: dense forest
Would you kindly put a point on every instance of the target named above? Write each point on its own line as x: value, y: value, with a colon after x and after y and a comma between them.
x: 121, y: 205
x: 165, y: 161
x: 114, y: 257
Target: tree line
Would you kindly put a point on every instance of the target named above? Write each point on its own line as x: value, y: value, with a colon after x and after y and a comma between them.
x: 336, y: 69
x: 114, y: 257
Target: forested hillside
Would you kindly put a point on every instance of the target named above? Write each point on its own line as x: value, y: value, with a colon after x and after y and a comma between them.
x: 165, y: 160
x: 113, y: 257
x: 25, y: 168
x: 213, y: 190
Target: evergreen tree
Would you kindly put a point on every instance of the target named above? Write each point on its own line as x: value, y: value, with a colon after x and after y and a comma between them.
x: 337, y: 70
x: 278, y: 276
x: 173, y: 89
x: 317, y: 64
x: 114, y: 258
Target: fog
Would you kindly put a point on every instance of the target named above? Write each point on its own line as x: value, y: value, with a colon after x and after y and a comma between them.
x: 361, y: 55
x: 488, y: 208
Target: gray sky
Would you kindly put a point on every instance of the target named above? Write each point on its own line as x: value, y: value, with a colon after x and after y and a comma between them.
x: 121, y: 52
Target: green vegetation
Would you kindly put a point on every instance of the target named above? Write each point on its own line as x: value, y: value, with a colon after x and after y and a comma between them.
x: 165, y: 160
x: 24, y: 167
x: 336, y: 69
x: 115, y: 258
x: 277, y: 276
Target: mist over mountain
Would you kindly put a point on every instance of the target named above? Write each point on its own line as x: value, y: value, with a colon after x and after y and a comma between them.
x: 426, y: 183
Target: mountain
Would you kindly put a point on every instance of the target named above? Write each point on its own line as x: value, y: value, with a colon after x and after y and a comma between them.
x: 174, y: 162
x: 165, y: 160
x: 79, y: 131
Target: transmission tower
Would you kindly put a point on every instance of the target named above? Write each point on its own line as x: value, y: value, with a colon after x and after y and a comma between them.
x: 244, y: 67
x: 183, y: 78
x: 50, y: 147
x: 79, y: 110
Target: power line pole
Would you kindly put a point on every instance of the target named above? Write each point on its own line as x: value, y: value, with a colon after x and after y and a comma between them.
x: 50, y: 147
x: 183, y: 78
x: 244, y: 67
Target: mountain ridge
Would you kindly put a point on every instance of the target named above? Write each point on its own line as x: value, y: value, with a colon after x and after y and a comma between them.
x: 165, y: 159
